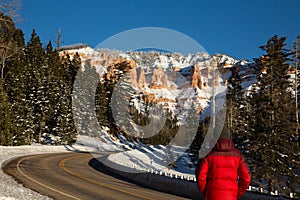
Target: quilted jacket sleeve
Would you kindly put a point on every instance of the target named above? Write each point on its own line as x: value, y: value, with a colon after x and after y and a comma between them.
x: 201, y: 175
x: 244, y: 177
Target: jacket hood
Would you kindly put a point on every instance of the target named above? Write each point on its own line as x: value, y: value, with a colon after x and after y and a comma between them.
x: 224, y: 144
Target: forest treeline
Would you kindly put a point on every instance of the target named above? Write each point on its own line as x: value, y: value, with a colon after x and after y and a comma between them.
x: 35, y: 89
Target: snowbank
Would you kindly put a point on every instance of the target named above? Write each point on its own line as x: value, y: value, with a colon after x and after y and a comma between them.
x: 9, y: 188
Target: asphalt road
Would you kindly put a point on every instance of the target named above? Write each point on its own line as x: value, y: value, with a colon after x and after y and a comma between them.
x: 69, y: 176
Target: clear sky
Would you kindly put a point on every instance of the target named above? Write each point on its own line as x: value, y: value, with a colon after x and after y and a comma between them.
x: 234, y: 27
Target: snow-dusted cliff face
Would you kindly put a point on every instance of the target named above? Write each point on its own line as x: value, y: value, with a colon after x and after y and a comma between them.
x: 174, y: 80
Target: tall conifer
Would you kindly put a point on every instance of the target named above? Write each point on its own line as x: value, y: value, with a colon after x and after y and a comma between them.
x: 36, y: 79
x: 237, y: 115
x: 273, y: 150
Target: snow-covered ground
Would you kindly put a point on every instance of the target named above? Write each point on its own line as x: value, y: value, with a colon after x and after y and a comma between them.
x: 136, y: 157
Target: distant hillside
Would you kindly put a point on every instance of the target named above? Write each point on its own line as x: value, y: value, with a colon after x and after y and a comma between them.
x: 170, y: 79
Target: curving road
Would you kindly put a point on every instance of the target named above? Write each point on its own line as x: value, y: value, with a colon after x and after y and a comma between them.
x: 69, y: 176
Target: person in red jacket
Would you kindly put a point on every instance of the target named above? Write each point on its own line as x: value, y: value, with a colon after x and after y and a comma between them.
x: 223, y: 174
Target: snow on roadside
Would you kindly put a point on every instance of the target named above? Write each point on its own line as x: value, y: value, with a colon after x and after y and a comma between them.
x: 9, y: 188
x: 151, y: 158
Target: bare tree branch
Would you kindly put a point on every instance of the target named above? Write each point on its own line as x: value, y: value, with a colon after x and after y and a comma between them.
x: 8, y: 45
x: 11, y: 8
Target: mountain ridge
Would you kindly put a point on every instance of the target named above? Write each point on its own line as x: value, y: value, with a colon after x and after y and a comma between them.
x: 170, y: 79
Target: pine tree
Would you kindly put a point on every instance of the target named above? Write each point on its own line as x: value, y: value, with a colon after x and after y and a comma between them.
x: 65, y: 123
x: 74, y: 68
x: 273, y: 148
x: 236, y: 115
x: 17, y: 81
x: 83, y: 98
x: 36, y: 80
x: 53, y: 93
x: 296, y: 63
x: 234, y: 96
x: 102, y: 102
x: 199, y: 138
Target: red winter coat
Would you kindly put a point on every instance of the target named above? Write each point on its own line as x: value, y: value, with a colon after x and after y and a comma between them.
x: 223, y: 174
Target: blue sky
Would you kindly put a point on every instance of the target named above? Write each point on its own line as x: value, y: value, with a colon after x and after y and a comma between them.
x: 234, y: 27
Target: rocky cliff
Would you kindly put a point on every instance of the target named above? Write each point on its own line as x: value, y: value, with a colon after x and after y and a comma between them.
x: 171, y: 79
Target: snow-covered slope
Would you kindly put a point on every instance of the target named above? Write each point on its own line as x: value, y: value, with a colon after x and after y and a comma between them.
x: 170, y: 78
